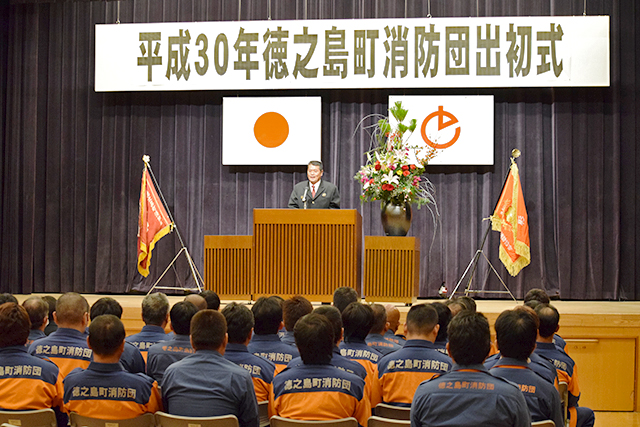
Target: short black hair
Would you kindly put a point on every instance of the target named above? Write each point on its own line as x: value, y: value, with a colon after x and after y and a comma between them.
x: 267, y: 314
x: 106, y: 334
x: 549, y: 319
x: 333, y: 315
x: 105, y: 305
x: 314, y: 338
x: 421, y: 319
x: 181, y: 314
x: 444, y: 317
x: 239, y: 322
x: 293, y: 309
x: 52, y: 305
x: 357, y: 320
x: 379, y: 319
x: 537, y: 294
x: 155, y: 308
x: 467, y: 302
x: 37, y: 309
x: 343, y: 296
x: 469, y: 338
x: 516, y: 332
x: 212, y: 299
x: 208, y: 330
x: 7, y: 297
x: 14, y: 324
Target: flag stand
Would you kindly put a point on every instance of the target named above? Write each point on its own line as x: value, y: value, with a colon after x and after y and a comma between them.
x: 515, y: 153
x: 183, y: 247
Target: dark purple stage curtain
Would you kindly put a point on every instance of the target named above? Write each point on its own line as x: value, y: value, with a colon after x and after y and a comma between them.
x: 71, y: 158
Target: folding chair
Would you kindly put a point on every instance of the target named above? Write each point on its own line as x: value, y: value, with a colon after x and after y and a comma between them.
x: 545, y: 423
x: 144, y: 420
x: 263, y: 413
x: 564, y: 398
x: 376, y: 421
x: 33, y: 418
x: 392, y: 412
x: 277, y: 421
x: 167, y: 420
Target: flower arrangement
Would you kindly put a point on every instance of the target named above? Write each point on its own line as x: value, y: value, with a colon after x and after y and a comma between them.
x: 394, y: 169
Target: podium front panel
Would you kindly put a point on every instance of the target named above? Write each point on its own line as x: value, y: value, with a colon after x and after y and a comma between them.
x: 306, y: 252
x: 227, y: 266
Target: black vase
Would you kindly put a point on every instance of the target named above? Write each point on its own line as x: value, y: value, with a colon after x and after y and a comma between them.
x: 396, y: 219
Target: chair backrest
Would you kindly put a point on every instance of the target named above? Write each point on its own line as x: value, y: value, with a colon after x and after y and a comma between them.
x: 376, y: 421
x: 144, y: 420
x: 545, y: 423
x: 564, y: 398
x: 277, y: 421
x: 393, y: 412
x: 167, y: 420
x: 33, y: 418
x: 263, y: 413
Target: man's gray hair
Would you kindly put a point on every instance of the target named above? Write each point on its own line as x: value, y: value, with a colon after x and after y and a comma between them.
x: 155, y: 308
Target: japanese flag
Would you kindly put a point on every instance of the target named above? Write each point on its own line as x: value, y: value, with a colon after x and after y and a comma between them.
x: 271, y: 130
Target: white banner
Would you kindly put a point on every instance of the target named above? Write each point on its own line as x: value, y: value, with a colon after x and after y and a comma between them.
x: 460, y: 128
x: 271, y: 130
x: 549, y: 51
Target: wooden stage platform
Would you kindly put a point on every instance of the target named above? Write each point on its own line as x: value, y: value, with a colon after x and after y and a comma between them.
x: 603, y: 337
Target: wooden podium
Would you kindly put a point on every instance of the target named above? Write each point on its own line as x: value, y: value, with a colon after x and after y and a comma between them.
x: 392, y: 269
x: 227, y: 266
x: 307, y: 252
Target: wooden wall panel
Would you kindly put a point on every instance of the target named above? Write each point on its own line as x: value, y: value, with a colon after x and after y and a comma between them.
x: 391, y: 269
x: 306, y: 252
x: 227, y: 266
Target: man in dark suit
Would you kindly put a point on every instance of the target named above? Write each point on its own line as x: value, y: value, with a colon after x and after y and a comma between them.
x: 314, y: 193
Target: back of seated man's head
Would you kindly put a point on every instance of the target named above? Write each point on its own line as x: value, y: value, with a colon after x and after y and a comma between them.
x: 444, y: 317
x: 181, y: 314
x: 343, y: 296
x: 106, y: 335
x: 537, y: 294
x: 105, y: 305
x: 14, y: 325
x: 468, y: 303
x: 379, y: 319
x: 52, y: 305
x: 71, y: 309
x: 357, y: 320
x: 212, y: 299
x: 393, y: 317
x: 455, y: 306
x: 196, y: 300
x: 334, y: 317
x: 516, y: 332
x: 314, y: 338
x: 38, y: 311
x: 549, y: 319
x: 293, y: 309
x: 7, y: 297
x: 155, y: 308
x: 239, y: 322
x: 267, y: 314
x: 469, y: 338
x: 421, y: 319
x: 208, y: 330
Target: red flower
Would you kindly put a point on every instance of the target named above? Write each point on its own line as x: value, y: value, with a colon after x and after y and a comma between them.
x: 405, y: 168
x: 406, y: 173
x: 413, y: 167
x: 378, y: 166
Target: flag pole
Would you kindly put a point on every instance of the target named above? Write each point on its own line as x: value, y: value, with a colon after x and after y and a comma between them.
x: 515, y: 153
x: 183, y: 248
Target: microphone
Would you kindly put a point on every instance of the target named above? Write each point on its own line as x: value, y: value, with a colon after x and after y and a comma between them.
x: 304, y: 198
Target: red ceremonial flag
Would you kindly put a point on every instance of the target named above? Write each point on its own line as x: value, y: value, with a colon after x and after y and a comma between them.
x: 510, y: 218
x: 153, y: 223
